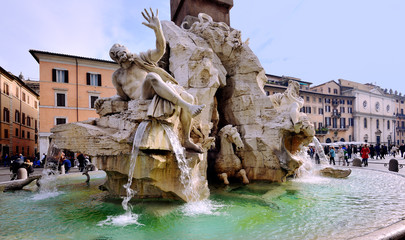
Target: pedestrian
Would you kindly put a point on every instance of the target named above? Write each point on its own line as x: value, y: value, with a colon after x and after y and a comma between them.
x: 394, y: 150
x: 384, y: 151
x: 332, y: 155
x: 377, y: 151
x: 81, y: 160
x: 364, y: 155
x: 402, y: 149
x: 341, y: 155
x: 346, y: 156
x: 6, y: 160
x: 372, y: 151
x: 349, y: 151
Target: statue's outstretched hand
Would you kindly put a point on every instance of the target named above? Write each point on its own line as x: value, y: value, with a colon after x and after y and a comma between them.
x: 153, y: 21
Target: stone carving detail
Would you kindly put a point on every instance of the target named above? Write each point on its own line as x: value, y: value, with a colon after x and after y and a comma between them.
x: 227, y: 163
x: 207, y: 64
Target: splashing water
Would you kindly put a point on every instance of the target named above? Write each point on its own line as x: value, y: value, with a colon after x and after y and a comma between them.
x: 128, y: 218
x: 186, y: 177
x: 319, y: 150
x: 134, y: 155
x: 50, y: 174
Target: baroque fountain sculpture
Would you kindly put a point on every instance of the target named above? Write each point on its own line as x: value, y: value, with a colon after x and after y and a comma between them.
x: 208, y: 80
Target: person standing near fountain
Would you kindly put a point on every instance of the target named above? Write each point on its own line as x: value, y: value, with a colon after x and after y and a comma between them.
x: 332, y: 155
x: 139, y: 77
x: 364, y: 155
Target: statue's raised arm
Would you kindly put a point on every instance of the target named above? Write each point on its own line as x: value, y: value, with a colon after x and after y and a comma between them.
x: 154, y: 23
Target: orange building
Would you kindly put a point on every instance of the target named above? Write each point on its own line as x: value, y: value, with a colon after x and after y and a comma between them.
x: 19, y: 116
x: 69, y: 85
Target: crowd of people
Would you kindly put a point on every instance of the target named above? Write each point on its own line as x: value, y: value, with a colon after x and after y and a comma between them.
x: 343, y: 153
x: 79, y: 160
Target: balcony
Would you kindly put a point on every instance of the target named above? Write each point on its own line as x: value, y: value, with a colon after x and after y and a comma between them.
x: 335, y: 103
x: 336, y: 115
x: 322, y: 131
x: 400, y: 115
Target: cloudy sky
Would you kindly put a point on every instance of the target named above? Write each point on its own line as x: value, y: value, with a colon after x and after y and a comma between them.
x: 315, y: 40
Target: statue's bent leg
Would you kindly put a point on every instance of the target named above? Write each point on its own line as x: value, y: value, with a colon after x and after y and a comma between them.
x: 165, y: 91
x: 186, y: 122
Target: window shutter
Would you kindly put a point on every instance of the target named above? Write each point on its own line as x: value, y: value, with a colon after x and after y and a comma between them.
x: 99, y: 80
x: 53, y: 75
x: 88, y: 78
x: 66, y: 76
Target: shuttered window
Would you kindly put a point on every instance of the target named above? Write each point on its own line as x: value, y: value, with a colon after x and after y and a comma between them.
x: 60, y: 76
x: 93, y: 79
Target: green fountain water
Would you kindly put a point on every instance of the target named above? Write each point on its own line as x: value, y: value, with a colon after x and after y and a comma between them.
x: 307, y: 208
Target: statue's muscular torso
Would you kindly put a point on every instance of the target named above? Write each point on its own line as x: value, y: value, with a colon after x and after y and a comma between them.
x: 129, y: 81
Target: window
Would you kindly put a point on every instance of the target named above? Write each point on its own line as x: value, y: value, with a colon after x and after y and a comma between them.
x: 17, y: 149
x: 6, y: 115
x: 327, y: 108
x: 342, y: 109
x: 17, y: 116
x: 351, y: 122
x: 320, y: 111
x: 23, y: 96
x: 350, y: 110
x: 334, y: 123
x: 335, y: 91
x: 365, y: 122
x: 93, y: 100
x: 378, y: 124
x: 60, y: 76
x: 28, y: 135
x: 388, y: 124
x: 23, y: 118
x: 319, y: 125
x: 36, y: 138
x: 28, y: 99
x: 60, y: 121
x: 22, y: 134
x: 61, y: 99
x: 93, y: 79
x: 35, y: 104
x: 17, y: 92
x: 28, y: 121
x: 328, y: 90
x: 307, y: 99
x: 320, y: 100
x: 343, y: 123
x: 5, y: 89
x: 327, y: 121
x: 16, y: 132
x: 5, y: 133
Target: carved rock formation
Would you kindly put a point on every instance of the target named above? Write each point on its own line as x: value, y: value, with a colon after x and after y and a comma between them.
x: 210, y: 61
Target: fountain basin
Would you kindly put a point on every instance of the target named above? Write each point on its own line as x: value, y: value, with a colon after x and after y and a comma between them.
x: 308, y: 208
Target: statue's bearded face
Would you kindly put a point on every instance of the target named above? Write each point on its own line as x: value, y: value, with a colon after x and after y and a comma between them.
x: 119, y: 53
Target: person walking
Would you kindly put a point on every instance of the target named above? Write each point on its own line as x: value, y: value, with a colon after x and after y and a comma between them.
x: 341, y: 155
x: 402, y: 149
x: 394, y: 150
x: 364, y: 155
x: 332, y: 155
x: 372, y: 151
x: 349, y: 151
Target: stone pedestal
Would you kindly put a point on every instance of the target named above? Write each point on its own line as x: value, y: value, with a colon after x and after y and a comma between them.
x: 22, y: 173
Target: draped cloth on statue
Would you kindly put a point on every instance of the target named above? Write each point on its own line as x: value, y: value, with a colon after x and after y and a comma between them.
x: 159, y: 107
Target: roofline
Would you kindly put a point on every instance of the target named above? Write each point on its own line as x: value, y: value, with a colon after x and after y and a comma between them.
x: 34, y: 52
x: 292, y: 78
x: 309, y: 91
x: 12, y: 76
x: 326, y: 83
